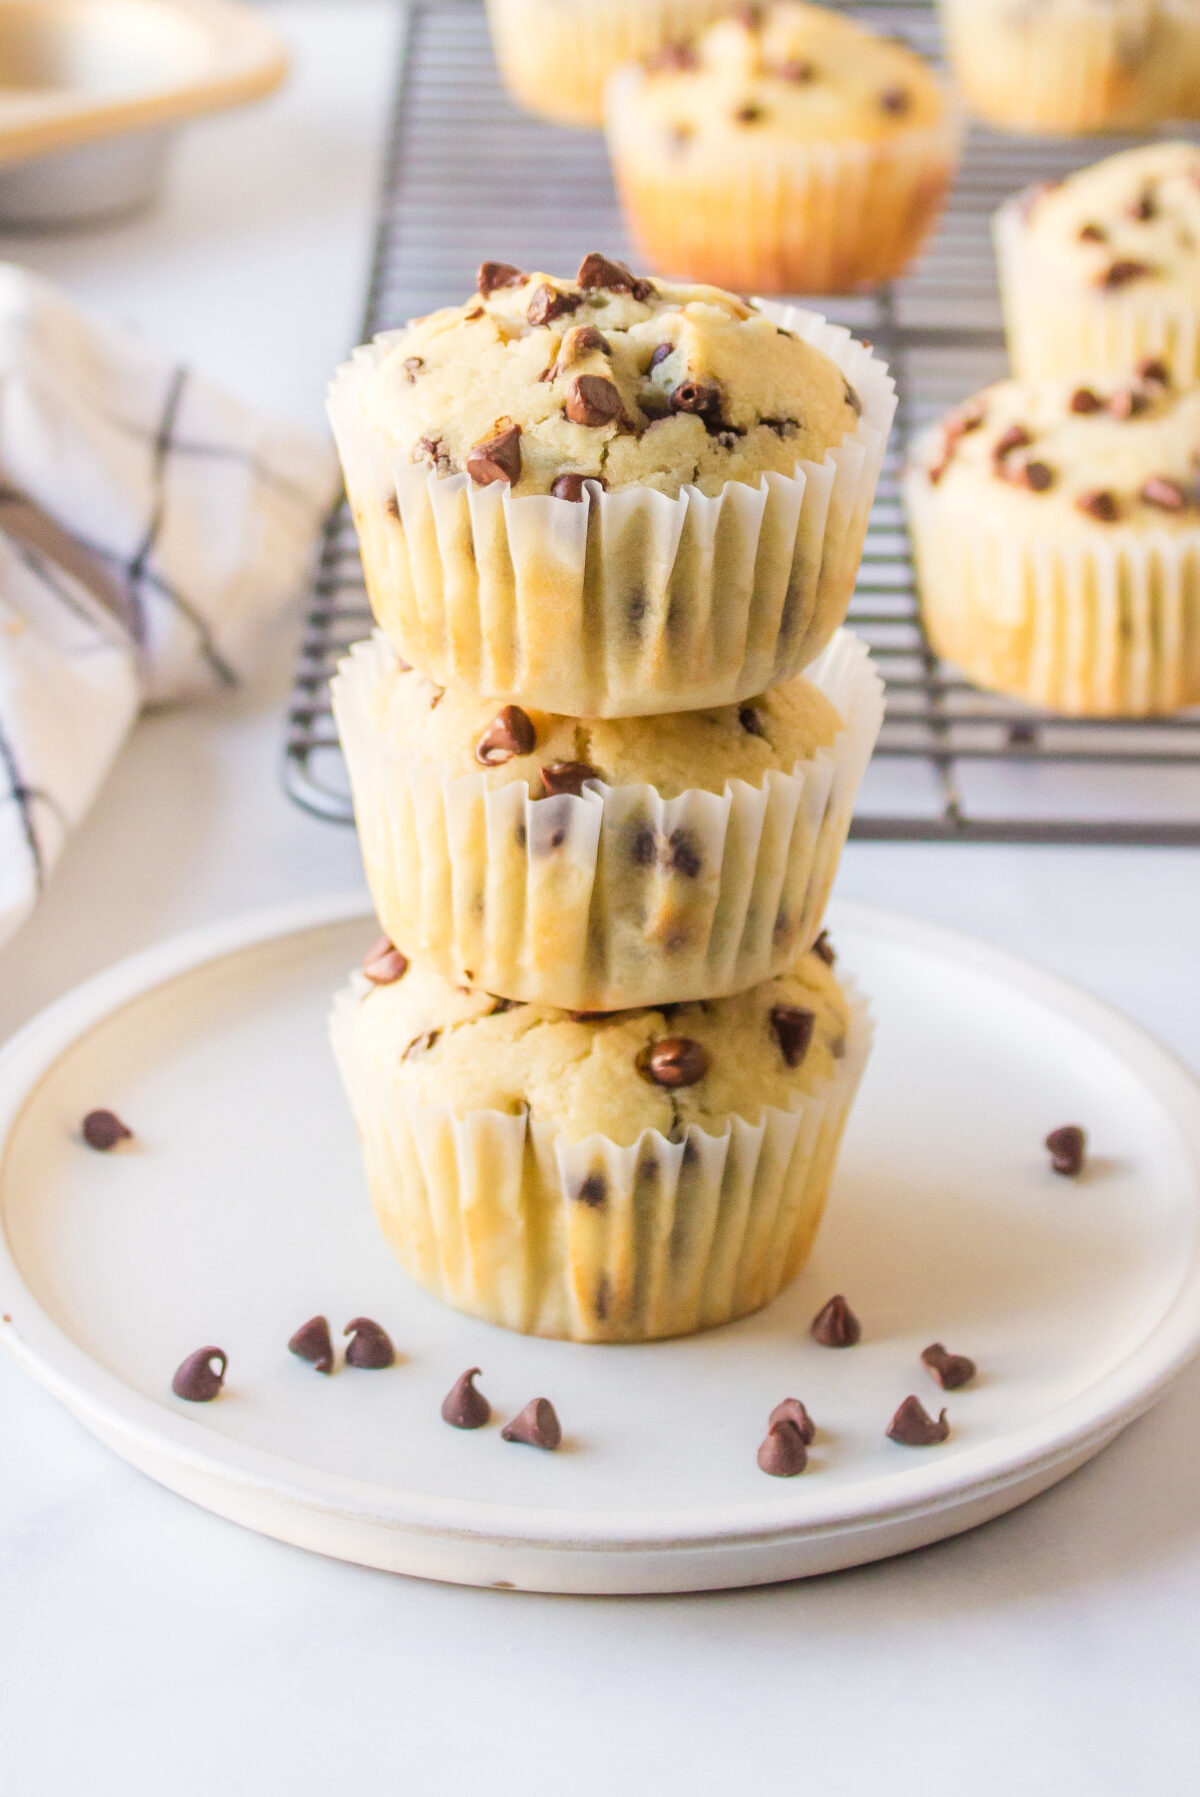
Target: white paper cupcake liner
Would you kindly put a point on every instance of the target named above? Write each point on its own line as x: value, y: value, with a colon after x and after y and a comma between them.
x: 762, y: 215
x: 1072, y: 66
x: 485, y: 1210
x: 1053, y: 331
x: 556, y: 55
x: 627, y: 603
x: 586, y: 902
x: 1090, y: 628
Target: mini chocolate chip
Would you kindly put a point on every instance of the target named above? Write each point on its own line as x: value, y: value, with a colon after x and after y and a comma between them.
x: 750, y: 114
x: 670, y: 59
x: 1166, y: 494
x: 594, y: 400
x: 596, y: 271
x: 791, y: 1410
x: 1152, y: 369
x: 498, y: 458
x: 421, y: 1045
x: 835, y: 1325
x: 660, y: 354
x: 594, y: 1191
x: 1067, y: 1147
x: 497, y: 274
x: 793, y: 1029
x: 569, y: 486
x: 429, y: 449
x: 952, y: 1371
x: 500, y: 1006
x: 1083, y: 401
x: 913, y: 1427
x: 783, y: 1453
x: 643, y: 850
x: 674, y: 1061
x: 682, y: 855
x: 549, y: 303
x: 749, y: 17
x: 313, y: 1342
x: 1037, y: 476
x: 196, y: 1379
x: 102, y: 1130
x: 750, y: 721
x: 369, y: 1345
x: 566, y: 777
x: 463, y: 1407
x: 383, y: 963
x: 1100, y: 505
x: 391, y: 506
x: 412, y: 367
x: 537, y: 1426
x: 896, y: 100
x: 475, y: 313
x: 1015, y: 437
x: 824, y: 948
x: 1144, y: 207
x: 1127, y: 402
x: 798, y: 69
x: 1092, y: 234
x: 701, y: 397
x: 782, y: 427
x: 1121, y: 273
x: 510, y: 733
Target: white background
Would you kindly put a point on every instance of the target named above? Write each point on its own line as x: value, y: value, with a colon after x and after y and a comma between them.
x: 149, y: 1650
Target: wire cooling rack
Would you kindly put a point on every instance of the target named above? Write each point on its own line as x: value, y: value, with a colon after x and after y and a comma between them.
x: 468, y: 176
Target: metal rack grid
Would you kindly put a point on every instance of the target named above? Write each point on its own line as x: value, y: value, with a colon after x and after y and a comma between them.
x: 466, y: 176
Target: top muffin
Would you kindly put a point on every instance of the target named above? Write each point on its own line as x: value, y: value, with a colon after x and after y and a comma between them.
x: 541, y: 383
x: 793, y: 71
x: 1131, y: 222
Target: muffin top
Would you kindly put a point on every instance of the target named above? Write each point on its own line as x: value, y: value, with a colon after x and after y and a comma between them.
x: 1128, y: 225
x: 616, y: 1075
x: 788, y: 72
x: 556, y: 754
x: 540, y: 383
x: 1076, y: 455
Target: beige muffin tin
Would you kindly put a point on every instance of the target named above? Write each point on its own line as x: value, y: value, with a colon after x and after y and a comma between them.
x: 91, y: 91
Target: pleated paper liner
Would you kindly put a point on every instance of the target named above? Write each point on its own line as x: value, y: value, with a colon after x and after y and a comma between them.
x: 768, y: 215
x: 628, y: 603
x: 485, y: 1211
x: 560, y: 901
x: 1090, y: 625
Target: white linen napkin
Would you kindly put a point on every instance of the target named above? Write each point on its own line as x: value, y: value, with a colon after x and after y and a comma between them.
x: 150, y: 527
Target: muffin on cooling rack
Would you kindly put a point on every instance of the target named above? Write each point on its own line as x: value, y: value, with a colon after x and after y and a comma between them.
x: 605, y: 863
x: 556, y: 55
x: 608, y: 496
x: 1103, y: 270
x: 617, y: 1178
x: 1074, y: 66
x: 1057, y: 535
x: 786, y: 151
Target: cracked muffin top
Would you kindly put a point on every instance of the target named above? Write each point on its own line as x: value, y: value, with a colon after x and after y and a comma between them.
x: 1074, y: 454
x: 664, y: 1067
x: 673, y: 753
x: 1127, y: 225
x: 789, y: 73
x: 541, y: 384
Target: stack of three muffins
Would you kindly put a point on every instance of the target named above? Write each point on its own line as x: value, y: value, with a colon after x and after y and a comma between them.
x: 601, y: 1062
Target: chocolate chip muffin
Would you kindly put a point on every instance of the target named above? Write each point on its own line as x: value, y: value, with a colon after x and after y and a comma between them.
x: 596, y: 864
x: 611, y: 496
x: 786, y: 150
x: 1057, y: 534
x: 1072, y: 66
x: 1103, y: 270
x: 612, y: 1178
x: 556, y: 55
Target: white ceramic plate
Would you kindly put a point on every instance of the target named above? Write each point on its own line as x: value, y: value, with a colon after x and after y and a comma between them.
x: 240, y: 1211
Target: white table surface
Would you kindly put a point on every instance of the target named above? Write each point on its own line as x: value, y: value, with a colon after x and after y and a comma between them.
x: 149, y: 1650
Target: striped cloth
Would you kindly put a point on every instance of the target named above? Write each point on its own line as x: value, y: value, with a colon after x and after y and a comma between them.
x: 150, y: 529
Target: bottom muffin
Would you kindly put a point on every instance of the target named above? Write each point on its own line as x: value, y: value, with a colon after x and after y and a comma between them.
x: 600, y: 1178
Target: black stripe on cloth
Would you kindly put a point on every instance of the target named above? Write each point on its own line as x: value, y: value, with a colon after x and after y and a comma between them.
x: 23, y: 797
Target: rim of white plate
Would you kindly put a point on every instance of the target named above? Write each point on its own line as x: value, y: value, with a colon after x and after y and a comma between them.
x: 113, y: 1409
